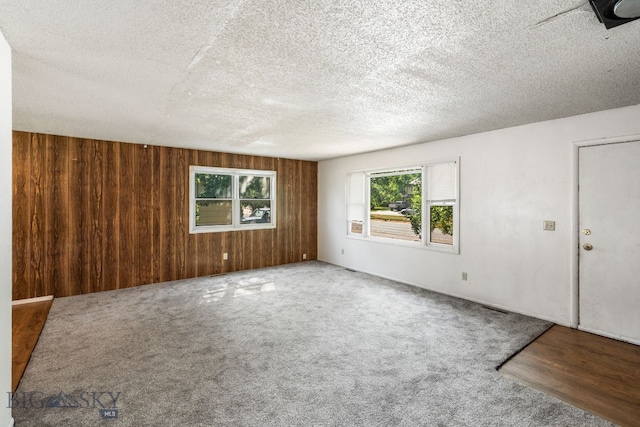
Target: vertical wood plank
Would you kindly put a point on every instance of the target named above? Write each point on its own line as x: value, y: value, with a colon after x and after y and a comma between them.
x: 300, y: 211
x: 56, y: 214
x: 36, y: 215
x: 144, y: 170
x: 310, y: 217
x: 79, y: 224
x: 96, y: 179
x: 127, y: 215
x: 306, y: 193
x: 297, y: 190
x: 170, y: 188
x: 167, y: 203
x: 21, y: 209
x: 228, y: 245
x: 110, y: 222
x: 313, y: 211
x: 181, y: 212
x: 286, y: 223
x: 156, y: 217
x: 162, y: 207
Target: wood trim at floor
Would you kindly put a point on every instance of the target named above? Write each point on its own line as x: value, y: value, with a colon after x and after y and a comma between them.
x: 31, y: 300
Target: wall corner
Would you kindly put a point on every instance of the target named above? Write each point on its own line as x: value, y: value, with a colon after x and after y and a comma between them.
x: 5, y: 226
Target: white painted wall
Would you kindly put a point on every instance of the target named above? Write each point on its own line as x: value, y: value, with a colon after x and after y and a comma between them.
x: 5, y: 229
x: 511, y: 180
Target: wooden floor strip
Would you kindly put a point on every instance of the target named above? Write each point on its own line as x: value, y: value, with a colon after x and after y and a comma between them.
x: 594, y: 373
x: 28, y: 320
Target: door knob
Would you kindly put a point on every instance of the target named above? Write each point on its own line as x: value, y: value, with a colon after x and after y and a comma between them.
x: 587, y: 246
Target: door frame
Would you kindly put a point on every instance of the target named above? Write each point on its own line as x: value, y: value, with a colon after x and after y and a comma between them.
x: 575, y: 216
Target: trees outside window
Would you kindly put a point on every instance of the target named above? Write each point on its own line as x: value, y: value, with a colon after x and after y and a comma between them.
x: 231, y: 199
x: 395, y: 203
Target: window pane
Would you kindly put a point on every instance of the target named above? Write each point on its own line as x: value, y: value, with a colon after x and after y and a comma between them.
x: 255, y: 187
x: 209, y: 186
x: 355, y: 202
x: 213, y: 212
x: 396, y: 207
x: 255, y: 212
x: 442, y: 225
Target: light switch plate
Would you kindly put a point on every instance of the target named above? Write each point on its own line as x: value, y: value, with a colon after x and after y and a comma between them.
x: 549, y: 226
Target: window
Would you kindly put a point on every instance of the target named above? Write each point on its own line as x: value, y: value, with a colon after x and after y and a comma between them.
x: 231, y: 199
x: 394, y: 199
x: 440, y: 202
x: 392, y: 205
x: 355, y: 203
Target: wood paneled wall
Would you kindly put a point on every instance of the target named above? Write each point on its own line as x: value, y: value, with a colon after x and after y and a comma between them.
x: 92, y: 216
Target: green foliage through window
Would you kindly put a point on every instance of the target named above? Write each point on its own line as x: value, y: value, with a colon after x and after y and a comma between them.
x: 408, y: 188
x: 397, y: 193
x: 388, y: 189
x: 230, y: 199
x: 213, y: 186
x: 442, y: 219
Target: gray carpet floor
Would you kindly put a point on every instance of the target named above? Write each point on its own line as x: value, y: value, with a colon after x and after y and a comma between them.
x: 307, y: 344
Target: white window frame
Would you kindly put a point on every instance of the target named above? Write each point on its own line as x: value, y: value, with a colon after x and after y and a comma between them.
x: 235, y: 174
x: 425, y: 242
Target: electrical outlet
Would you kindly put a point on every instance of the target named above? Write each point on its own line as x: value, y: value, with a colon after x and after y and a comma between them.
x: 464, y: 276
x: 304, y: 256
x: 225, y: 256
x: 549, y: 226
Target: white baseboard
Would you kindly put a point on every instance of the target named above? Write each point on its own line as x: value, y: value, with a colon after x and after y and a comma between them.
x: 32, y: 300
x: 609, y: 335
x: 11, y: 422
x: 455, y: 295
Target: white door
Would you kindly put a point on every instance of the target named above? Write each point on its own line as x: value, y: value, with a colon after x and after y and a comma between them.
x: 609, y: 194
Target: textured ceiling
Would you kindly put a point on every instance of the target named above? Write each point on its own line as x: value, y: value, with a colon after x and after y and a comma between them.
x: 310, y: 79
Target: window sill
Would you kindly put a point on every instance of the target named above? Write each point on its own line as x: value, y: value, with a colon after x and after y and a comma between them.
x: 223, y: 229
x: 408, y: 244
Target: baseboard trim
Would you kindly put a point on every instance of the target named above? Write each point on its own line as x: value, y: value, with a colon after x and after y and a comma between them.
x: 11, y: 422
x: 453, y: 294
x: 609, y: 335
x: 32, y: 300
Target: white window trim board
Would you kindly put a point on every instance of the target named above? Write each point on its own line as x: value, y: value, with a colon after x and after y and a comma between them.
x: 235, y: 199
x: 399, y: 170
